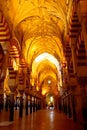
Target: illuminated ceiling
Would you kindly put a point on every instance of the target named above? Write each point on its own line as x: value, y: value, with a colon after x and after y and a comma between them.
x: 40, y: 28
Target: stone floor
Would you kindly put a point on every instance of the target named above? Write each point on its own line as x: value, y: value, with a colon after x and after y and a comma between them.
x: 40, y: 120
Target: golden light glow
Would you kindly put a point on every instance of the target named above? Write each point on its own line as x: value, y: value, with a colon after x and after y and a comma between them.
x: 51, y: 99
x: 15, y: 66
x: 44, y: 92
x: 49, y: 81
x: 46, y: 56
x: 58, y: 88
x: 32, y: 81
x: 37, y: 88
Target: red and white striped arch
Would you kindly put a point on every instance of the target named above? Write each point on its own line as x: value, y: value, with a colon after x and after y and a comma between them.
x: 4, y: 29
x: 4, y: 37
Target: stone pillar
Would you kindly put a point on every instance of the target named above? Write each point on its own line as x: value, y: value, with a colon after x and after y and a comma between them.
x: 62, y: 103
x: 21, y: 86
x: 69, y: 107
x: 1, y: 102
x: 11, y: 107
x: 30, y: 104
x: 83, y: 107
x: 21, y: 104
x: 15, y: 101
x: 6, y: 103
x: 26, y: 104
x: 74, y: 107
x: 39, y: 104
x: 34, y: 105
x: 59, y: 103
x: 12, y: 85
x: 26, y: 90
x: 73, y: 96
x: 1, y: 92
x: 11, y: 102
x: 65, y: 104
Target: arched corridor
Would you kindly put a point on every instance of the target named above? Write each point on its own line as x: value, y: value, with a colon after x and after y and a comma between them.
x: 43, y: 60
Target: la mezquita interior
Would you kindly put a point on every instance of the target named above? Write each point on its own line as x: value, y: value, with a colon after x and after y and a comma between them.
x: 43, y: 64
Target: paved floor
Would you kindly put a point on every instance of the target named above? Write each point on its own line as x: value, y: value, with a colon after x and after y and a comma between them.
x: 40, y: 120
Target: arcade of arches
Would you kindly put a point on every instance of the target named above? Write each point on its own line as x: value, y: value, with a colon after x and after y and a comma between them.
x: 43, y: 56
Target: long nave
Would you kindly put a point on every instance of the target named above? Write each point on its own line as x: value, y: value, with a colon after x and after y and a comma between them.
x: 43, y: 64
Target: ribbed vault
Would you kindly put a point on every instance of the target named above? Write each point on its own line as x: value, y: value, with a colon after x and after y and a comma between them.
x: 39, y: 27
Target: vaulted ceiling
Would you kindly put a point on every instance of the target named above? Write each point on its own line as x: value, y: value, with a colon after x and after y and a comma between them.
x: 40, y: 27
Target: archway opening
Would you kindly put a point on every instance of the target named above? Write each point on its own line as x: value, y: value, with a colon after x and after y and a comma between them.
x: 50, y: 101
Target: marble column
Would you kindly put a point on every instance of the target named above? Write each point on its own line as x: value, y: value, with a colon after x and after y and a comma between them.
x: 21, y: 104
x: 30, y: 104
x: 34, y: 105
x: 69, y: 107
x: 26, y: 104
x: 11, y: 101
x: 6, y: 103
x: 11, y: 106
x: 1, y: 102
x: 59, y: 103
